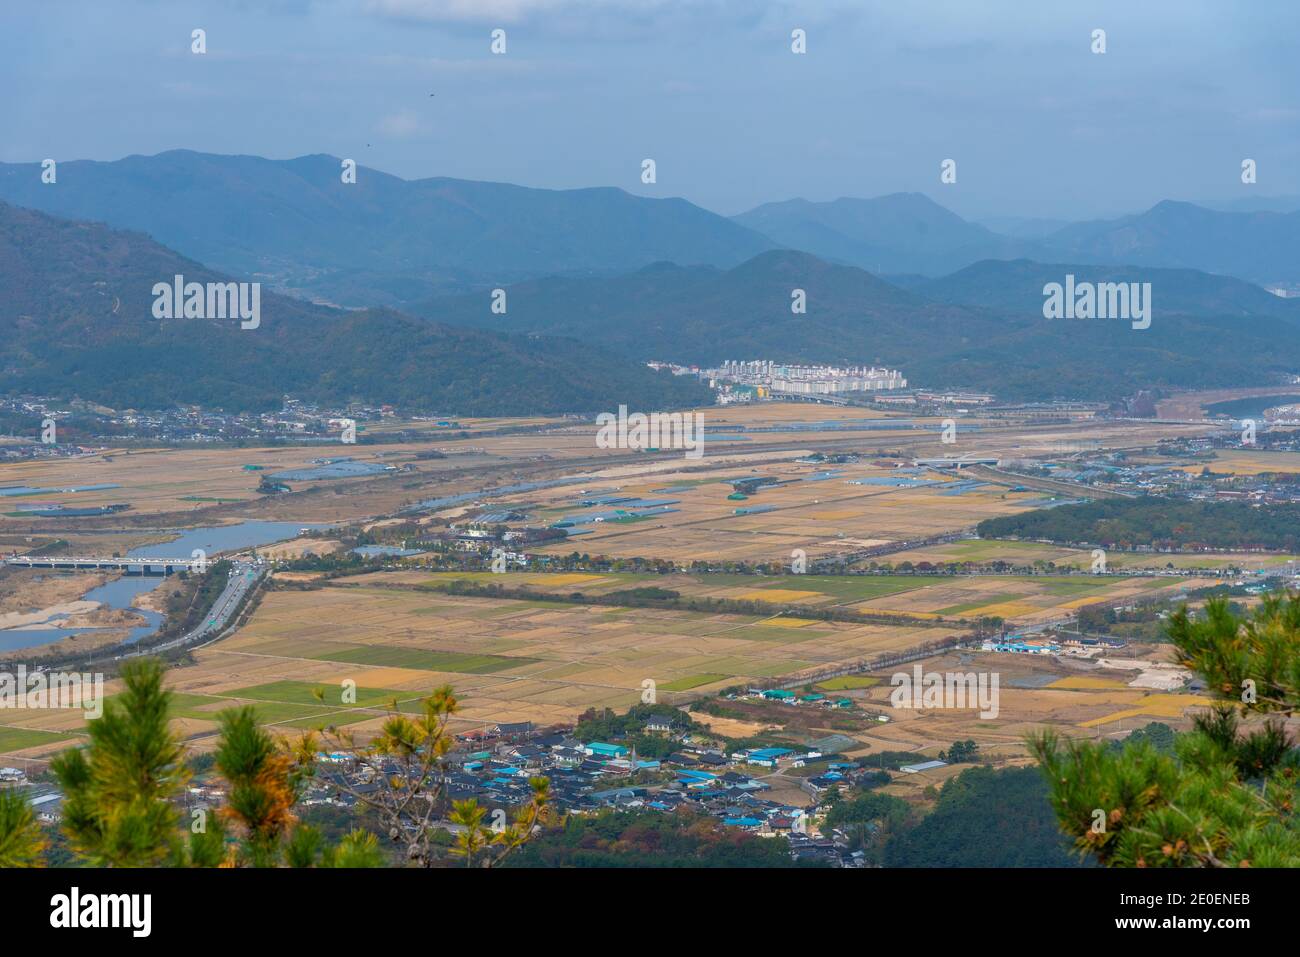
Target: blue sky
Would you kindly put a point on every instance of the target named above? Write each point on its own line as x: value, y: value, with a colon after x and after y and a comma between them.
x: 1038, y: 124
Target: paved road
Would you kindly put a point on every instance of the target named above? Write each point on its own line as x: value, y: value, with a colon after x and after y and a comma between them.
x: 243, y: 577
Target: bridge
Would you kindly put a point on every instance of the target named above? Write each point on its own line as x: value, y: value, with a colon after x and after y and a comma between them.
x: 130, y: 566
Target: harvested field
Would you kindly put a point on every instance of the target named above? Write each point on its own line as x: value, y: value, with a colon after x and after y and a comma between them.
x: 507, y: 660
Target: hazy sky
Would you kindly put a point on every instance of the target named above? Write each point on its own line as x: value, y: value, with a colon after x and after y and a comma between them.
x: 1038, y: 124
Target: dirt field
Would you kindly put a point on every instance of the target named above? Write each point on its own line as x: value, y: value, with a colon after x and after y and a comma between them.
x: 1019, y: 599
x: 1075, y: 698
x: 981, y: 551
x: 508, y: 660
x: 513, y: 660
x: 1249, y: 462
x: 211, y: 485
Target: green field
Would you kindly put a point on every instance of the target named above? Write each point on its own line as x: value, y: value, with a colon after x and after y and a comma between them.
x: 424, y: 660
x: 302, y: 693
x: 15, y: 739
x: 847, y: 683
x: 325, y: 720
x: 980, y: 603
x: 980, y: 550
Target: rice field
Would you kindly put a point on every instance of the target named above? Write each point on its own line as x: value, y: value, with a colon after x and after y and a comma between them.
x: 1019, y: 599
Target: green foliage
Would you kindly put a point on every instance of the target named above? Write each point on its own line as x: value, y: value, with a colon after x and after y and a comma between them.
x: 984, y: 818
x: 119, y: 793
x: 1158, y: 734
x: 262, y: 786
x: 625, y: 839
x: 605, y: 725
x: 117, y: 808
x: 961, y: 752
x: 21, y: 840
x: 1227, y: 794
x: 1230, y: 651
x: 206, y: 847
x: 869, y: 807
x: 1155, y: 522
x: 357, y: 850
x: 886, y: 760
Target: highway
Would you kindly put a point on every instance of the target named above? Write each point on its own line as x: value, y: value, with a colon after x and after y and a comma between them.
x: 244, y: 576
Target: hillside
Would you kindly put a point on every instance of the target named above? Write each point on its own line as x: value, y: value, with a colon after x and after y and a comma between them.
x: 991, y: 337
x: 901, y: 232
x: 379, y: 241
x: 76, y: 320
x: 1252, y: 240
x: 1255, y: 245
x: 1016, y: 287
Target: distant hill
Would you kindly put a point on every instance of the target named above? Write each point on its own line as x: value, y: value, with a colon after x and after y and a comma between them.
x: 382, y: 240
x: 1016, y: 286
x: 990, y: 335
x: 901, y: 232
x: 1252, y: 239
x: 704, y: 315
x: 76, y: 320
x: 1257, y: 246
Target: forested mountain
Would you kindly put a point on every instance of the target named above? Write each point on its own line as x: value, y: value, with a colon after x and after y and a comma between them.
x: 1253, y: 240
x: 381, y: 240
x: 76, y: 320
x: 1015, y: 287
x: 901, y: 232
x: 991, y: 337
x: 1256, y: 245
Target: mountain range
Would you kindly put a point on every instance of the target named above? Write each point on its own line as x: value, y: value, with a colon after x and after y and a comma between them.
x: 381, y: 290
x: 909, y: 233
x: 980, y: 328
x: 384, y: 240
x: 77, y: 320
x: 381, y: 240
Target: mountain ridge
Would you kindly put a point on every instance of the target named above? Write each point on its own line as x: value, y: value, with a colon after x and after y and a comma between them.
x: 77, y: 321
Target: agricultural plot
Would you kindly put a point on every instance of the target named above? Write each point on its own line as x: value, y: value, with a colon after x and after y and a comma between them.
x: 542, y: 662
x: 1253, y: 462
x: 1023, y: 600
x: 987, y: 551
x: 1020, y: 599
x: 818, y: 515
x: 1034, y: 692
x: 28, y: 740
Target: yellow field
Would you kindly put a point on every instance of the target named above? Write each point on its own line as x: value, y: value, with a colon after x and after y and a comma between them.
x: 1153, y: 706
x: 1243, y: 462
x: 1079, y: 681
x: 1020, y: 599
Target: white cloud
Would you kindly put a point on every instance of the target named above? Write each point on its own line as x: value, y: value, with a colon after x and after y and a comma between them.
x: 400, y: 125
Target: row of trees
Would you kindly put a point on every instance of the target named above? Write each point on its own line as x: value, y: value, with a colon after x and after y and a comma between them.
x: 1156, y: 523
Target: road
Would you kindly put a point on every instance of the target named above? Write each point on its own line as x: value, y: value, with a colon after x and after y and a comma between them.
x: 244, y: 576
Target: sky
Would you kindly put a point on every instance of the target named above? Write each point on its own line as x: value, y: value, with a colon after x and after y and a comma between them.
x: 1039, y: 125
